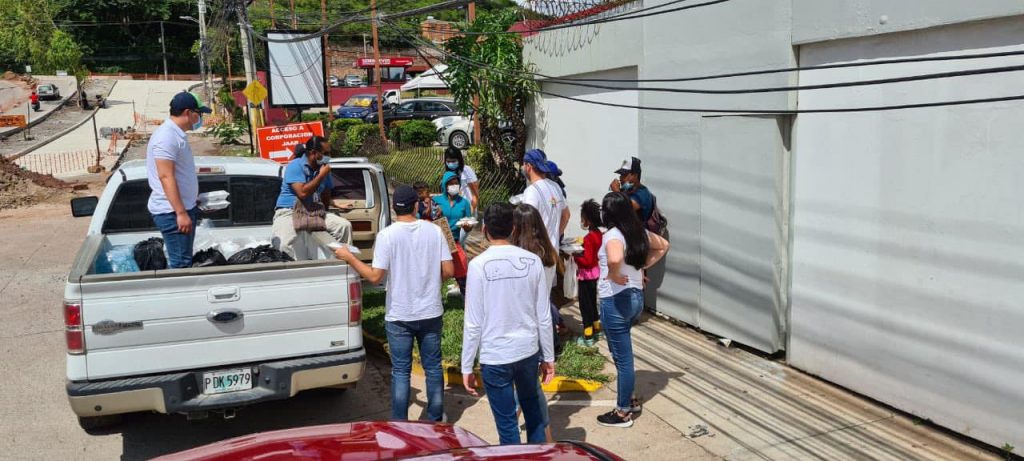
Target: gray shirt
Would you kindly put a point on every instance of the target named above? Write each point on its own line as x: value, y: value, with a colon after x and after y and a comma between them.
x: 169, y: 142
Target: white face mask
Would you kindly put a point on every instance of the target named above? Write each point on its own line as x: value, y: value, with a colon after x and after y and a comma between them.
x: 453, y: 190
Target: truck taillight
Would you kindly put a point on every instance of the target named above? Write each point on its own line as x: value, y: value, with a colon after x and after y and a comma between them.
x: 355, y: 303
x: 74, y: 333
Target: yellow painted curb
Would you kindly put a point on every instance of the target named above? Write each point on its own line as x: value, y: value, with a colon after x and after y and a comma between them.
x: 563, y: 384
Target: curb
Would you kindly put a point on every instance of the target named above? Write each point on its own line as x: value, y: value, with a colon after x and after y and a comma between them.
x: 55, y: 137
x: 453, y: 372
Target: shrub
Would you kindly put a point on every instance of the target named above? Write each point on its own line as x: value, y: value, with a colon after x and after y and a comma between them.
x: 316, y: 116
x: 356, y: 136
x: 477, y: 156
x: 416, y: 133
x: 343, y: 124
x: 228, y: 133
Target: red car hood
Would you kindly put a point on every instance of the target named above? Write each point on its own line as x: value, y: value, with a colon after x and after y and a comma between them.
x: 345, y: 442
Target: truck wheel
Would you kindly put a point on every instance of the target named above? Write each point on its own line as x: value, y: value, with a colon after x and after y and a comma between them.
x: 94, y: 423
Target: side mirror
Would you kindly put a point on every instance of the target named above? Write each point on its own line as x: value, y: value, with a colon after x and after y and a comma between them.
x: 84, y: 206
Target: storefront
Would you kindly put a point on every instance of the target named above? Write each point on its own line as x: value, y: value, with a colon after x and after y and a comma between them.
x: 391, y: 69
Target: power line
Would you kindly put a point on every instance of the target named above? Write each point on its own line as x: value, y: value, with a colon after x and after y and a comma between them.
x: 773, y: 112
x: 882, y: 81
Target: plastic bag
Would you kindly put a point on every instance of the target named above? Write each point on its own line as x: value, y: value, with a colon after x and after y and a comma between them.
x: 259, y: 255
x: 118, y: 259
x: 149, y: 254
x: 208, y: 258
x: 569, y: 281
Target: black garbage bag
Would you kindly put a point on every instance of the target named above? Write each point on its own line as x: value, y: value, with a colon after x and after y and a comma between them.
x: 149, y: 254
x: 260, y: 254
x: 208, y: 258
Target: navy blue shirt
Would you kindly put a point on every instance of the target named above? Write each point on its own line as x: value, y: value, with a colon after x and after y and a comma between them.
x: 299, y: 171
x: 643, y: 197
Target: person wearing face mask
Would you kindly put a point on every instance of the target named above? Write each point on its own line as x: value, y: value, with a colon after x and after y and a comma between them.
x: 629, y: 182
x: 454, y: 207
x: 307, y: 178
x: 454, y: 162
x: 171, y: 172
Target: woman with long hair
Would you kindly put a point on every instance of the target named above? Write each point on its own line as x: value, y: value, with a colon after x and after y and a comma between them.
x: 456, y: 163
x: 627, y: 248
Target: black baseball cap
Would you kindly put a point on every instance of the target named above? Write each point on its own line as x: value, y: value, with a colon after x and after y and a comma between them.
x: 629, y: 165
x: 186, y: 100
x: 405, y: 197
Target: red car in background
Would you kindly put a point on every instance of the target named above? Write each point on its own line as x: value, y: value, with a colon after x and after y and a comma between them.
x: 383, y: 441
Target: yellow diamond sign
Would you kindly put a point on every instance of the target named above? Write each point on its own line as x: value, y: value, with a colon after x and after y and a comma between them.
x: 255, y: 92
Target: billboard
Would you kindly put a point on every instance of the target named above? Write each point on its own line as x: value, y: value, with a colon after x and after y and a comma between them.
x: 277, y: 142
x: 296, y: 75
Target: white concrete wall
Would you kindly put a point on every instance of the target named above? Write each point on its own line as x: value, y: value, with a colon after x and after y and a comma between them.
x: 588, y: 142
x: 908, y: 244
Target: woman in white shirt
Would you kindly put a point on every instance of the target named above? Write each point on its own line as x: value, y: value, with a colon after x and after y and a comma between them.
x: 454, y: 162
x: 626, y: 249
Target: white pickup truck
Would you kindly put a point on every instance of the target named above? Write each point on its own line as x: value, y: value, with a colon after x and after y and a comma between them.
x: 214, y: 339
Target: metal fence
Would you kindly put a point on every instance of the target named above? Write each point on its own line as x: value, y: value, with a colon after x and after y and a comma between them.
x: 407, y: 166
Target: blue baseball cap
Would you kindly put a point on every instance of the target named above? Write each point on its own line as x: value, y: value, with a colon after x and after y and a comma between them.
x: 190, y: 101
x: 539, y: 160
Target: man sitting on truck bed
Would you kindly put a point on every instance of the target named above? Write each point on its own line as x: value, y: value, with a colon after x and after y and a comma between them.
x: 172, y: 178
x: 307, y: 178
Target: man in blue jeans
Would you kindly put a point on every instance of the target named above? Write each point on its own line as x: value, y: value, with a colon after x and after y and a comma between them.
x: 507, y: 317
x: 415, y: 258
x: 171, y: 171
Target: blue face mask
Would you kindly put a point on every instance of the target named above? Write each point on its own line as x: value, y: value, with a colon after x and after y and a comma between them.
x: 198, y: 125
x: 627, y: 186
x: 452, y: 165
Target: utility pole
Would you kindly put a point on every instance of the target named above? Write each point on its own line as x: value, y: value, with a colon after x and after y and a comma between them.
x: 95, y: 134
x: 202, y: 51
x: 163, y: 48
x: 364, y: 45
x: 376, y: 69
x: 330, y: 62
x: 248, y: 56
x: 295, y: 21
x: 273, y: 23
x: 227, y: 59
x: 476, y: 98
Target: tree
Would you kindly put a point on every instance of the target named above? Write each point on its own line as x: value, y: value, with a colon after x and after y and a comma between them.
x: 492, y: 67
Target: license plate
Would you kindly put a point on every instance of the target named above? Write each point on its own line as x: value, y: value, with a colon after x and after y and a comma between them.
x: 219, y: 382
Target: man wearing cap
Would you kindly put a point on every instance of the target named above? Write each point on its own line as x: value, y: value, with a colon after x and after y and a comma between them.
x: 171, y: 171
x: 415, y: 258
x: 629, y: 182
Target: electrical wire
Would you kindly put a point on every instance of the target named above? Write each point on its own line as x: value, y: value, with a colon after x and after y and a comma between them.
x: 762, y: 111
x: 882, y: 81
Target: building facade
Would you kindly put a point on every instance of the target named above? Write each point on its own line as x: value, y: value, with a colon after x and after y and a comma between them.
x: 880, y: 250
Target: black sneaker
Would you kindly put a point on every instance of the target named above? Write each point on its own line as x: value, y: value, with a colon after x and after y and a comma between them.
x: 615, y: 419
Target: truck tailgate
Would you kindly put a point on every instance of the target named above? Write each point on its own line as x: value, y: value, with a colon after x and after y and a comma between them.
x: 202, y: 318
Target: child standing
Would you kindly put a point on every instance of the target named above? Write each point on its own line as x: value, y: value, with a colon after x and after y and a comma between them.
x: 588, y: 272
x: 426, y: 209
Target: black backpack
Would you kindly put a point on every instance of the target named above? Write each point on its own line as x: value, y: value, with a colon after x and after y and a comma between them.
x: 656, y: 223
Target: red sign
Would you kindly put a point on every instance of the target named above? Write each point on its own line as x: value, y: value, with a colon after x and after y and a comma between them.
x: 386, y: 62
x: 278, y: 142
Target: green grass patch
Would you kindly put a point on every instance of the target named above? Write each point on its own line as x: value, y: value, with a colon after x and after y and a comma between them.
x: 576, y: 362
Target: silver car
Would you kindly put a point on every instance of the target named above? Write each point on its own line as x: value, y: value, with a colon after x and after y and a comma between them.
x: 48, y: 91
x: 457, y: 131
x: 353, y: 80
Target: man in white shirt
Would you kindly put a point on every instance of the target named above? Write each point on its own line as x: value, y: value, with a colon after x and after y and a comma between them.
x: 507, y: 317
x: 415, y: 258
x: 171, y: 171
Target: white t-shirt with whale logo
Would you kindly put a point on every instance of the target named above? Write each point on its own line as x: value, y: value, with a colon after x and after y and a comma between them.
x: 507, y: 313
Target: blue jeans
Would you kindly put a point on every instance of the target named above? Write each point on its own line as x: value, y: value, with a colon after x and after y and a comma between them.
x: 427, y: 334
x: 177, y: 245
x: 617, y: 316
x: 503, y: 383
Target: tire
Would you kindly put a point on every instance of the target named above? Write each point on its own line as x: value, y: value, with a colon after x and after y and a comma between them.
x: 508, y: 137
x: 96, y: 423
x: 459, y: 140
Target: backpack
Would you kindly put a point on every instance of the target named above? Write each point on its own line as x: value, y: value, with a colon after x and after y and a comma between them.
x: 656, y: 223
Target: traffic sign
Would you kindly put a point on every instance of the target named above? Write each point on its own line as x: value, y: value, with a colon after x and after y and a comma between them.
x: 12, y: 121
x: 255, y: 92
x: 278, y: 142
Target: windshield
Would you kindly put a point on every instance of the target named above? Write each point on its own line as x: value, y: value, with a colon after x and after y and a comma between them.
x: 359, y: 101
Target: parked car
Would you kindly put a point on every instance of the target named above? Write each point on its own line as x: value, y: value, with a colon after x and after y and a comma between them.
x: 457, y: 131
x: 353, y: 80
x: 48, y: 91
x: 358, y: 106
x: 335, y: 81
x: 407, y: 440
x: 174, y: 340
x: 418, y: 109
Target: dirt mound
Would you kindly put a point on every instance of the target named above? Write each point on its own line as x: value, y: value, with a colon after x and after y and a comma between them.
x: 20, y: 188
